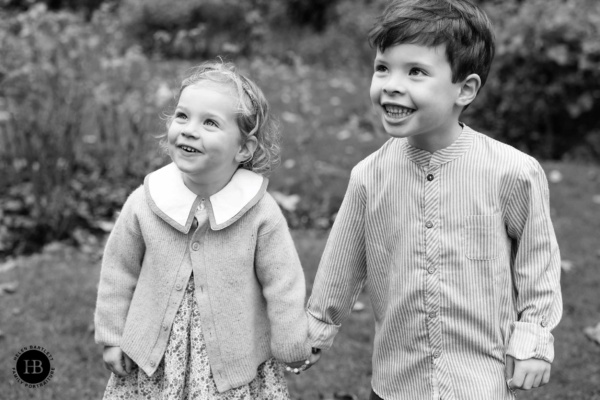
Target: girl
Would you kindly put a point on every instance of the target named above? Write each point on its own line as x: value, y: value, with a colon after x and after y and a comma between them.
x: 201, y: 286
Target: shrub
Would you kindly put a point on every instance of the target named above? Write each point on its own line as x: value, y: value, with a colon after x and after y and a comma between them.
x: 543, y: 94
x: 74, y: 124
x: 193, y: 28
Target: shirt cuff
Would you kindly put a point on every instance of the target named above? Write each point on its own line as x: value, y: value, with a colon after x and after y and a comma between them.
x: 321, y: 334
x: 530, y: 340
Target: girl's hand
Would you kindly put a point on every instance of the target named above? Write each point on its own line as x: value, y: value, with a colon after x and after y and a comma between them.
x: 299, y: 366
x: 116, y: 361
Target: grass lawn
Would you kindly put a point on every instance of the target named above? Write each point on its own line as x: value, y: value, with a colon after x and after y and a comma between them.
x: 53, y: 305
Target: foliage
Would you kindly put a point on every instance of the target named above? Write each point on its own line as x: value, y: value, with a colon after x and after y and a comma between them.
x: 543, y: 94
x: 194, y: 28
x: 72, y: 121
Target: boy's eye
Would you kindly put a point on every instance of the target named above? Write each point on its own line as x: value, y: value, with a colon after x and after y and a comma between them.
x: 416, y: 72
x: 380, y: 68
x: 211, y: 122
x: 180, y: 115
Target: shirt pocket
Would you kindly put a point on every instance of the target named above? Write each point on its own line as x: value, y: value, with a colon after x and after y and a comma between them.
x: 482, y: 238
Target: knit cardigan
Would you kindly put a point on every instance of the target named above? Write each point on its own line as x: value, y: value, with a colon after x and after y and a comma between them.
x: 250, y: 286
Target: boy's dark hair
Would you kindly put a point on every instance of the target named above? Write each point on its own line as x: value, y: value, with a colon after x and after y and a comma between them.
x: 460, y: 25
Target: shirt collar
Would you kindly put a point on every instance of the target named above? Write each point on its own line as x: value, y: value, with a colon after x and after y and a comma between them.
x: 171, y: 200
x: 447, y: 154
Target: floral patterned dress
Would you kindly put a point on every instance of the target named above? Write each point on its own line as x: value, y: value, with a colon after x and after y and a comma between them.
x: 184, y: 372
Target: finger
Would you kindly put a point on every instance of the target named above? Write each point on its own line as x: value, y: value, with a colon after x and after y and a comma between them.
x: 528, y: 383
x: 128, y: 363
x: 546, y: 377
x: 518, y: 378
x: 537, y: 380
x: 117, y: 368
x: 510, y: 367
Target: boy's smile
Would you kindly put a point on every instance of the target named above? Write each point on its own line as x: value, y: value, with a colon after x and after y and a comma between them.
x: 412, y: 90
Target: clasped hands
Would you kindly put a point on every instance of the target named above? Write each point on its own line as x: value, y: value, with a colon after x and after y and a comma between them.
x: 298, y: 366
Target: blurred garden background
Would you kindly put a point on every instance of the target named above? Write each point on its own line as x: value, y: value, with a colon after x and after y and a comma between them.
x: 85, y: 86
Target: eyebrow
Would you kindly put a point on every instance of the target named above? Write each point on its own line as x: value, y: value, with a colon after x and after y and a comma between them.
x: 221, y: 118
x: 409, y: 64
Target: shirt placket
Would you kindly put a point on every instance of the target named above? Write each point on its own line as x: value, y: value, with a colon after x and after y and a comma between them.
x: 440, y: 377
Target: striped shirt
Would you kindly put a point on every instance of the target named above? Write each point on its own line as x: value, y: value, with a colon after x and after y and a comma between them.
x: 460, y: 260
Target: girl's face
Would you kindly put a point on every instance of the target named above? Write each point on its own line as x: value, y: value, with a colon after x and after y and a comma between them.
x: 204, y: 140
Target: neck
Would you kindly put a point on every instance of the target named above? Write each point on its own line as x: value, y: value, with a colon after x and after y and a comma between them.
x: 433, y: 143
x: 205, y: 187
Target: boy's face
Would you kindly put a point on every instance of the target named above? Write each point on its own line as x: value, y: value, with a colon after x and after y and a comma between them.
x: 412, y: 91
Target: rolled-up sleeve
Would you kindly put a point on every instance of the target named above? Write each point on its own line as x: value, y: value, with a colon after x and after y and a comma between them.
x: 535, y: 266
x: 342, y: 271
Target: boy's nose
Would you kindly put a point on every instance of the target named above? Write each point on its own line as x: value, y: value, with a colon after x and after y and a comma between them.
x: 394, y: 86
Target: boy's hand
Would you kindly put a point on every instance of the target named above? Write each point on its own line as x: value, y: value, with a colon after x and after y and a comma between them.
x: 116, y: 361
x: 527, y: 374
x: 299, y: 366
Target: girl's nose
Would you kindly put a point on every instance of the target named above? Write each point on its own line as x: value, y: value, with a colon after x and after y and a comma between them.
x: 189, y: 133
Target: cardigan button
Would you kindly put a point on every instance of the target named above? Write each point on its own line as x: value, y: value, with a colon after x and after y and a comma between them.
x: 152, y: 364
x: 195, y: 246
x: 178, y: 287
x: 165, y: 327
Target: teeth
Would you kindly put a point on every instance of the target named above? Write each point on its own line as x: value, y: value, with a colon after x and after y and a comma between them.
x: 188, y: 149
x: 397, y: 111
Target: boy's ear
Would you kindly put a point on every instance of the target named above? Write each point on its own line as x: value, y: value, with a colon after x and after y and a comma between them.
x: 246, y: 151
x: 468, y: 90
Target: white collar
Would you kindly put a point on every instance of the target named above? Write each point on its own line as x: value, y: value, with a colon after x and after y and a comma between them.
x: 170, y: 199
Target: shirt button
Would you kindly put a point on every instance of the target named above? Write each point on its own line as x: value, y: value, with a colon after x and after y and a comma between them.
x: 195, y: 246
x: 429, y: 224
x: 178, y: 287
x: 432, y: 314
x: 431, y: 270
x: 544, y: 323
x: 437, y: 354
x: 430, y: 177
x: 152, y: 364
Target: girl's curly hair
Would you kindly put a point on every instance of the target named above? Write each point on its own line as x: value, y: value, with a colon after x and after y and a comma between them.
x: 253, y: 116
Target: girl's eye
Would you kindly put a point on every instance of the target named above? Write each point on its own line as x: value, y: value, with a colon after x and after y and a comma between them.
x: 180, y: 115
x: 380, y: 68
x: 416, y: 72
x: 210, y: 122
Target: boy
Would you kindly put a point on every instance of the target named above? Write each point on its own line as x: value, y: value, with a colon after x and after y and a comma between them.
x: 449, y: 229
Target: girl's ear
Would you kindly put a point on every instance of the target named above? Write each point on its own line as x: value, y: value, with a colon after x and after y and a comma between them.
x: 468, y: 90
x: 247, y: 150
